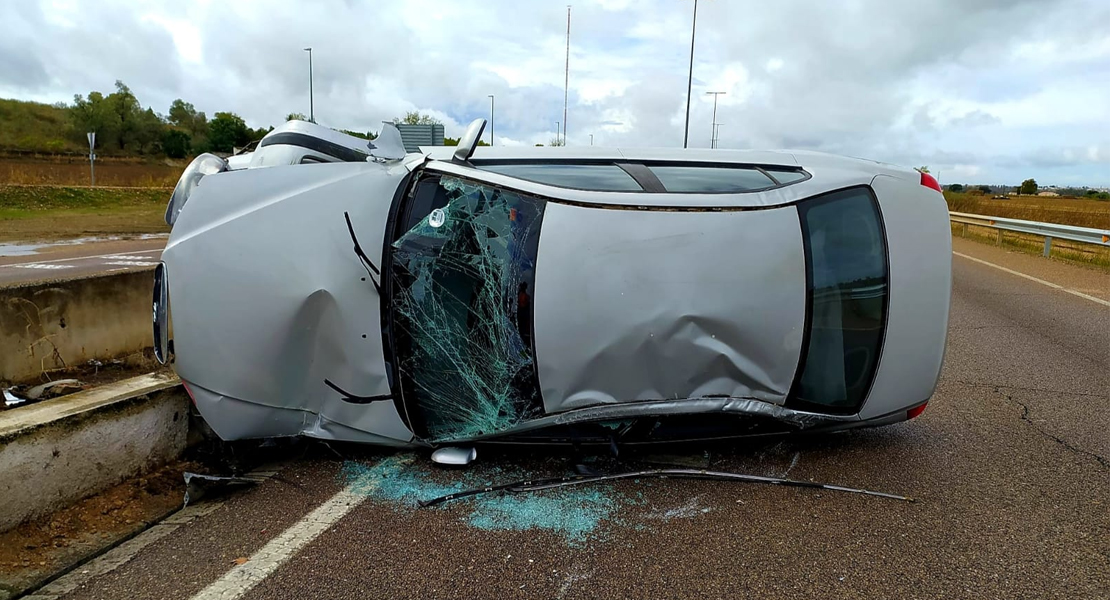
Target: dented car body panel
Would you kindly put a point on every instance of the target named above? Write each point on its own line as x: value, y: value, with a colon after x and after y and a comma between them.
x: 543, y: 294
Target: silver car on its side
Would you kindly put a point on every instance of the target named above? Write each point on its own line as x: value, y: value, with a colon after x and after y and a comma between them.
x: 335, y: 288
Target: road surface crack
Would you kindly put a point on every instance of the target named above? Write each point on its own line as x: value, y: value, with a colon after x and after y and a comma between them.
x: 1102, y: 460
x: 997, y: 387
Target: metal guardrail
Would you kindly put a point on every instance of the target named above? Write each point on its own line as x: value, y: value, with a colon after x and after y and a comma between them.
x: 1049, y: 231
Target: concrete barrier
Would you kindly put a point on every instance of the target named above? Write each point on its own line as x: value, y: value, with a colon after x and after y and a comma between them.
x: 57, y: 452
x: 57, y: 324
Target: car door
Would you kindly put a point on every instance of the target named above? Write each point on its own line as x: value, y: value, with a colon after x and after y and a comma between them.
x: 511, y: 300
x: 459, y: 277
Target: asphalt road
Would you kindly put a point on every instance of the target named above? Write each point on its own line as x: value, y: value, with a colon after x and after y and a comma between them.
x: 23, y: 263
x: 1010, y: 466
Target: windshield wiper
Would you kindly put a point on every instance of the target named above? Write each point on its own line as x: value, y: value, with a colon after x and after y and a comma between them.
x: 534, y: 485
x: 354, y: 398
x: 371, y: 269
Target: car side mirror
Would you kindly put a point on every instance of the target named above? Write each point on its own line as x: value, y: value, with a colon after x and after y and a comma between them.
x: 469, y: 141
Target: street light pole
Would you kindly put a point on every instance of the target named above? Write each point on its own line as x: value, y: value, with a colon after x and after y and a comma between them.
x: 717, y: 135
x: 690, y: 79
x: 311, y: 108
x: 591, y: 139
x: 713, y: 130
x: 566, y: 80
x: 557, y: 123
x: 491, y: 120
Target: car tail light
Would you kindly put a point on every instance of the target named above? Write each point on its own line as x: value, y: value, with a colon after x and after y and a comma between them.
x: 194, y: 400
x: 929, y: 181
x: 916, y: 411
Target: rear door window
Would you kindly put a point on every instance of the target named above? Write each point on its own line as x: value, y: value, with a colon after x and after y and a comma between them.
x: 596, y: 177
x: 847, y: 283
x: 711, y: 180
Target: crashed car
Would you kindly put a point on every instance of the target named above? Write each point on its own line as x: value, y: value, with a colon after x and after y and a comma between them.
x: 331, y: 287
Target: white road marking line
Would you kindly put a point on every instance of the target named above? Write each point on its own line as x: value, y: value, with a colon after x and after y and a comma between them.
x: 1040, y: 281
x: 241, y: 578
x: 131, y: 263
x: 122, y: 554
x: 57, y: 260
x: 40, y: 266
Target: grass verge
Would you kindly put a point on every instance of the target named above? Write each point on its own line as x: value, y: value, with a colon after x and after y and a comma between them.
x: 34, y: 213
x: 1064, y: 251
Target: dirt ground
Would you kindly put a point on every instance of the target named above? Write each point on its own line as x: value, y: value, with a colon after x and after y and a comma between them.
x: 37, y: 549
x: 74, y: 170
x: 1081, y: 212
x: 92, y: 374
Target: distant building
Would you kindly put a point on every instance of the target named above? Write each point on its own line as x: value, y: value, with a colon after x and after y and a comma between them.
x: 415, y: 136
x: 1048, y: 194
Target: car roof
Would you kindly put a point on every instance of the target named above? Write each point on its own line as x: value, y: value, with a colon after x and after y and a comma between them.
x: 827, y: 172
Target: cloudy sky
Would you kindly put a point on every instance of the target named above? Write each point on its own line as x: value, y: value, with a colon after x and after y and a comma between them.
x: 984, y: 91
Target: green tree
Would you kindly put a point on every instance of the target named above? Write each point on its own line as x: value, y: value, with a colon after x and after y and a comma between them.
x: 226, y: 131
x: 93, y: 113
x: 1029, y: 186
x: 367, y: 135
x: 415, y: 118
x: 127, y: 107
x: 296, y: 117
x: 555, y: 141
x: 147, y: 129
x: 986, y: 189
x: 176, y: 143
x: 183, y: 115
x: 923, y: 169
x: 956, y: 187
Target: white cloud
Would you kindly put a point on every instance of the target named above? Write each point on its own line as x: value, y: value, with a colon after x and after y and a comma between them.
x: 998, y: 90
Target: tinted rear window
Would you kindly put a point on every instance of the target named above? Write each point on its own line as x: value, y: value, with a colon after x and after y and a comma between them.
x: 602, y: 178
x: 711, y: 179
x: 846, y: 272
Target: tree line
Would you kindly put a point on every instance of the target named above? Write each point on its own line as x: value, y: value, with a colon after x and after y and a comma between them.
x: 1029, y: 187
x: 123, y: 125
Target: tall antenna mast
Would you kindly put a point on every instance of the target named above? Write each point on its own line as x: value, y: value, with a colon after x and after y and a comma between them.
x: 566, y: 80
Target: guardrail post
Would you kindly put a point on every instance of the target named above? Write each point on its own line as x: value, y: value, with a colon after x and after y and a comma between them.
x: 998, y: 242
x: 964, y: 230
x: 1047, y: 246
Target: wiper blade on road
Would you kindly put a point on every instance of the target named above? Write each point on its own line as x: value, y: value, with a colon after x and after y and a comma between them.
x: 534, y: 485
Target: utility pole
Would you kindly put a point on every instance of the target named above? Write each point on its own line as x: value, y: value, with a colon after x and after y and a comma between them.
x: 311, y: 108
x: 690, y: 79
x: 566, y: 80
x: 713, y: 131
x: 557, y: 133
x: 491, y: 120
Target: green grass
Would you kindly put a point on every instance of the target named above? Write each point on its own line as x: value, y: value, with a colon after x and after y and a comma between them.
x: 38, y: 198
x: 35, y: 127
x: 1062, y: 250
x: 32, y: 213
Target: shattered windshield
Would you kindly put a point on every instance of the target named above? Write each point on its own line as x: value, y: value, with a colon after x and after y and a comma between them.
x: 462, y: 306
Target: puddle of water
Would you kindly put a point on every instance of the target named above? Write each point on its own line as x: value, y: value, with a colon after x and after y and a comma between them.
x: 30, y: 249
